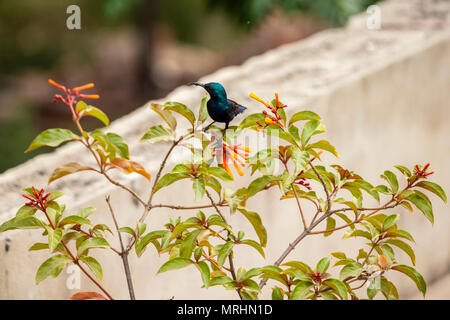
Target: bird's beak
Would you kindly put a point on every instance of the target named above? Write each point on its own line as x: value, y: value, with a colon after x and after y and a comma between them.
x: 197, y: 84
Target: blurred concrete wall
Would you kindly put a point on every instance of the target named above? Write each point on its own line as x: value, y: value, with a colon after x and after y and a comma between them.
x: 384, y: 96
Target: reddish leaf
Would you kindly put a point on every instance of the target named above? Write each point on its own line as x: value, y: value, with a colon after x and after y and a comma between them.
x: 66, y: 169
x: 87, y: 296
x: 128, y: 166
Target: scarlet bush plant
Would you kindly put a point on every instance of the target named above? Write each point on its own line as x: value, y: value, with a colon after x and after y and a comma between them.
x: 206, y: 241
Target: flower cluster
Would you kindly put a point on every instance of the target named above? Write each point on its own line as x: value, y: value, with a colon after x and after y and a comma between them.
x: 302, y: 181
x: 422, y: 173
x: 237, y: 153
x: 72, y: 95
x: 317, y: 277
x: 270, y: 119
x: 37, y: 198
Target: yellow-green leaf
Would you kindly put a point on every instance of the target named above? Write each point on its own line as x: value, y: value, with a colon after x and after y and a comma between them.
x: 52, y: 138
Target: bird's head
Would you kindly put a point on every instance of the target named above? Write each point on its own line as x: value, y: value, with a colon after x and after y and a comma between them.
x: 215, y: 89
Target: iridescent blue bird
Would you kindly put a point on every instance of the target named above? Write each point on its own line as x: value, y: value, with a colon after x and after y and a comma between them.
x: 220, y: 108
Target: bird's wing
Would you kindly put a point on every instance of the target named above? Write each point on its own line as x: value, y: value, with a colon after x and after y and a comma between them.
x: 234, y: 108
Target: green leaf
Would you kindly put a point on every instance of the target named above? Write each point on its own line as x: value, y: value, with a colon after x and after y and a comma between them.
x: 52, y: 267
x: 204, y: 272
x: 55, y: 195
x: 54, y: 238
x: 166, y: 115
x: 168, y: 179
x: 423, y: 204
x: 391, y: 178
x: 324, y: 145
x: 24, y: 223
x: 259, y: 184
x: 404, y: 170
x: 119, y: 145
x: 189, y: 244
x: 300, y: 158
x: 308, y: 130
x: 220, y: 280
x: 199, y: 188
x: 433, y: 187
x: 128, y: 230
x: 174, y: 264
x: 141, y: 228
x: 353, y: 269
x: 338, y: 286
x: 256, y: 222
x: 250, y: 121
x: 331, y: 224
x: 400, y: 234
x: 214, y: 184
x: 92, y: 243
x: 38, y: 246
x: 339, y: 255
x: 304, y: 115
x: 181, y: 109
x: 220, y: 173
x: 414, y: 275
x: 83, y: 109
x: 303, y: 267
x: 25, y: 212
x: 255, y: 245
x: 390, y: 221
x: 277, y: 294
x: 404, y: 246
x: 52, y: 138
x: 158, y: 133
x: 301, y: 290
x: 86, y: 212
x: 323, y: 264
x: 94, y: 265
x: 74, y: 220
x: 203, y: 111
x: 224, y: 252
x: 149, y: 238
x: 251, y: 285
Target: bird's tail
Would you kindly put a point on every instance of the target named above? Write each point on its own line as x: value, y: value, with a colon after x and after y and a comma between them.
x: 240, y: 109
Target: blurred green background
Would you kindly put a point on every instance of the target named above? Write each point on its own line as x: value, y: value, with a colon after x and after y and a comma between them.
x: 134, y: 51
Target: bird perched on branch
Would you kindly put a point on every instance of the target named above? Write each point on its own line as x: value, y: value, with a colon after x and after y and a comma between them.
x: 220, y: 109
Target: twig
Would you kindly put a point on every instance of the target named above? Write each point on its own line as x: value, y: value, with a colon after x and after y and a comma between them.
x: 123, y: 253
x: 148, y: 205
x: 299, y: 206
x: 230, y: 256
x: 220, y: 204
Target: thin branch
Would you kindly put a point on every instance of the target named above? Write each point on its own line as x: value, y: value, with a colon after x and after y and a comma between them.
x: 148, y: 205
x: 309, y: 231
x: 299, y: 206
x: 230, y: 257
x: 132, y: 192
x: 220, y: 204
x: 323, y: 185
x: 123, y: 253
x: 356, y: 220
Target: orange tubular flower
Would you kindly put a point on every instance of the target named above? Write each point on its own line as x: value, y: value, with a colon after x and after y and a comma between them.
x: 238, y: 154
x: 72, y: 95
x: 83, y: 87
x: 273, y: 119
x: 89, y: 96
x: 59, y: 86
